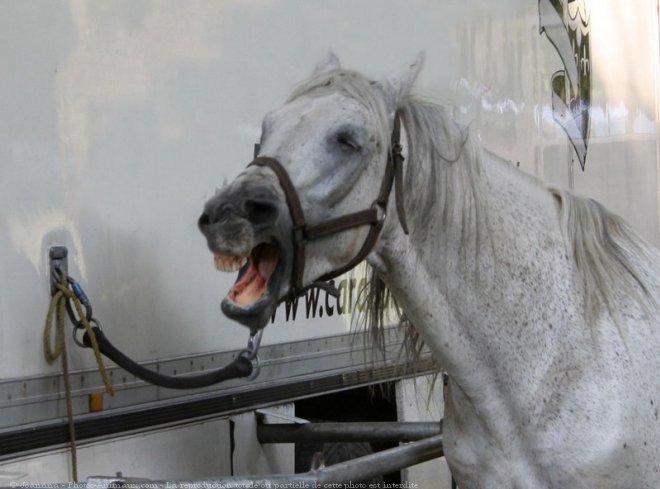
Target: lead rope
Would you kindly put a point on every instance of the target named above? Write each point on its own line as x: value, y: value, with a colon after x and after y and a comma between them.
x: 57, y: 311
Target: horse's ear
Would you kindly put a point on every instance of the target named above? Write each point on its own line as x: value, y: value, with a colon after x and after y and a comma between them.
x: 329, y: 63
x: 398, y: 86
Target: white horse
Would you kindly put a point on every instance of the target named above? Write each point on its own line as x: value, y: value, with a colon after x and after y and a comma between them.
x: 541, y: 306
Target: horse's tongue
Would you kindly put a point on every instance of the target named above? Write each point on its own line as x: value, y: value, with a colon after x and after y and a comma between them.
x: 253, y: 284
x: 251, y: 292
x: 267, y: 262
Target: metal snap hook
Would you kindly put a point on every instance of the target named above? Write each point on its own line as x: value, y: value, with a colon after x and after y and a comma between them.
x: 252, y: 353
x: 254, y: 341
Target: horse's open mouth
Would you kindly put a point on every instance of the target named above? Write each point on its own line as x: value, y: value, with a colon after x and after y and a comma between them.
x: 256, y: 288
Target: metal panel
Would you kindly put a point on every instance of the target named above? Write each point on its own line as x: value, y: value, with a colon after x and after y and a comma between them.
x: 193, y: 449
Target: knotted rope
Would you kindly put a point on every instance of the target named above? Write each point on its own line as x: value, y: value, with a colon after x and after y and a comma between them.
x: 55, y: 319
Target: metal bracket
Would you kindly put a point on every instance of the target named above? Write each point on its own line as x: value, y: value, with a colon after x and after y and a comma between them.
x: 262, y: 413
x: 58, y: 264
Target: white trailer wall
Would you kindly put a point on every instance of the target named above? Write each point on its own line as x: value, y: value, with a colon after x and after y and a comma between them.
x: 118, y: 119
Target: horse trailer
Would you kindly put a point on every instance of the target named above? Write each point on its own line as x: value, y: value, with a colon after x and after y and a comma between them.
x: 121, y: 119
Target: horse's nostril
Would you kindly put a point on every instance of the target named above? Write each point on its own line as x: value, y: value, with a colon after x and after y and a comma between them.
x: 260, y: 211
x: 214, y: 213
x: 204, y: 220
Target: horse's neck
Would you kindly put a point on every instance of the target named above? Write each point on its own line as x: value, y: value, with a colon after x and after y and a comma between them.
x: 473, y: 300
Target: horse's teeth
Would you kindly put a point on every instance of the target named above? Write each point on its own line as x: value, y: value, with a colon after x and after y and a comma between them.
x: 228, y: 263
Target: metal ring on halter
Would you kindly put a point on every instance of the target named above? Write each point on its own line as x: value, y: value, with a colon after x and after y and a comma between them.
x: 79, y: 326
x: 382, y: 212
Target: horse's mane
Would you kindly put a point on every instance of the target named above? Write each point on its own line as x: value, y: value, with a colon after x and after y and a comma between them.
x: 444, y: 177
x: 604, y: 249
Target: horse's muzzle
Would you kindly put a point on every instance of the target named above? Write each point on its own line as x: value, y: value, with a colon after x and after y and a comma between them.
x: 248, y: 231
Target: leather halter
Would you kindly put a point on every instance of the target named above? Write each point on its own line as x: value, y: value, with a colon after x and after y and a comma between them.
x: 374, y: 216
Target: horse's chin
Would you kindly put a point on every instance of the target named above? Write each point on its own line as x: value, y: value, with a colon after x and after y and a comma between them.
x: 254, y: 316
x: 255, y: 294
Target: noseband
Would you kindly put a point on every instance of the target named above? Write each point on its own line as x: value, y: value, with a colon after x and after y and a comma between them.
x: 374, y: 216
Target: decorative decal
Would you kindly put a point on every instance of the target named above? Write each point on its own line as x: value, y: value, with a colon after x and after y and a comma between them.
x: 566, y: 25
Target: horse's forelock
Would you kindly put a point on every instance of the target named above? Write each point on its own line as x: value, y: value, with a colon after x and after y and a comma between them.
x: 351, y: 84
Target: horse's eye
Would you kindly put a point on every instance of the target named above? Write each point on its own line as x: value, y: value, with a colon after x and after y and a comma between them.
x: 346, y: 141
